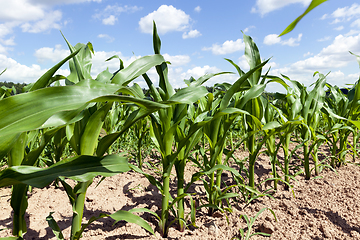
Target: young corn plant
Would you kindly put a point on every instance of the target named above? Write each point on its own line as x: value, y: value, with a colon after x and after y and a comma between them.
x: 288, y: 107
x: 165, y: 125
x: 251, y: 102
x: 241, y: 98
x: 250, y: 223
x: 312, y: 103
x: 44, y: 107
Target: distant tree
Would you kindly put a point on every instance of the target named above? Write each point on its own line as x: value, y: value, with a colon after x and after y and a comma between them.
x: 17, y: 87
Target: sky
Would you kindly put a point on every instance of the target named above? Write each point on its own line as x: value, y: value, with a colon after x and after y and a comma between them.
x: 196, y: 37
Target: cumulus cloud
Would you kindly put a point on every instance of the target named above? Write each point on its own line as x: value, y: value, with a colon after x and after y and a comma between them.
x: 32, y: 16
x: 272, y: 39
x: 109, y: 20
x: 339, y: 28
x: 59, y: 2
x: 191, y: 34
x: 107, y: 37
x: 17, y: 72
x: 177, y: 60
x: 356, y: 23
x: 227, y: 47
x: 167, y: 19
x: 344, y: 14
x: 197, y: 9
x: 51, y: 54
x: 49, y: 21
x: 199, y: 71
x: 352, y: 32
x: 109, y: 14
x: 308, y: 54
x: 331, y: 58
x: 265, y: 6
x: 248, y: 29
x: 21, y: 10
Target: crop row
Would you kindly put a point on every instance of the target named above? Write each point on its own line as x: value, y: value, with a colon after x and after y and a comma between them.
x: 52, y: 132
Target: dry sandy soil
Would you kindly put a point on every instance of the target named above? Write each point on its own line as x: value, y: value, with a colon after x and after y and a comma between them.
x: 323, y: 208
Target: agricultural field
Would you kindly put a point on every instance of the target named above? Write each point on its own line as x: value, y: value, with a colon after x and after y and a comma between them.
x: 102, y: 158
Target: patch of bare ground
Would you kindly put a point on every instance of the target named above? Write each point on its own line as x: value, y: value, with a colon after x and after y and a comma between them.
x: 323, y: 208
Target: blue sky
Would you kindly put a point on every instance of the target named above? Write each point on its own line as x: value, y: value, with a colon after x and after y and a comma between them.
x: 196, y: 36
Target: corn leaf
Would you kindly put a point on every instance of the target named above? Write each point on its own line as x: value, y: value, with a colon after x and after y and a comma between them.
x: 80, y: 168
x: 45, y: 80
x: 313, y: 4
x: 137, y: 68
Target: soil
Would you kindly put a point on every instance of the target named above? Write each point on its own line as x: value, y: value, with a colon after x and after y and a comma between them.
x: 323, y: 208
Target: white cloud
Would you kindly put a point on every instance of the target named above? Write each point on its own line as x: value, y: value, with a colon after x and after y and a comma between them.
x: 248, y: 29
x: 272, y: 39
x: 49, y: 21
x: 109, y: 20
x: 356, y: 23
x: 352, y: 32
x: 330, y: 58
x: 6, y: 28
x: 292, y: 41
x: 227, y: 47
x: 346, y: 13
x: 17, y: 72
x: 308, y: 54
x: 198, y: 71
x: 191, y: 34
x: 59, y: 2
x: 243, y: 64
x: 51, y: 54
x: 3, y: 50
x: 167, y: 19
x: 21, y: 10
x: 265, y: 6
x: 108, y: 16
x: 177, y: 60
x: 197, y: 9
x: 107, y: 37
x: 339, y: 28
x: 8, y: 42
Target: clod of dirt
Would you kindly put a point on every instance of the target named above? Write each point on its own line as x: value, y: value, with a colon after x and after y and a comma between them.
x: 213, y: 229
x: 266, y: 227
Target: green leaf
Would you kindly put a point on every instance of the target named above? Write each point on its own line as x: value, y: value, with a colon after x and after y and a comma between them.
x: 89, y: 138
x: 11, y: 238
x: 45, y: 79
x: 28, y: 111
x: 313, y: 4
x: 122, y: 215
x: 137, y: 68
x: 252, y: 56
x: 80, y: 168
x: 188, y: 95
x: 54, y: 226
x: 19, y: 205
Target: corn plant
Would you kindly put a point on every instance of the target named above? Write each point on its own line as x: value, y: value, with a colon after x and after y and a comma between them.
x: 288, y: 106
x: 251, y: 102
x: 164, y: 125
x: 250, y: 223
x: 311, y: 105
x: 241, y: 98
x: 56, y: 107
